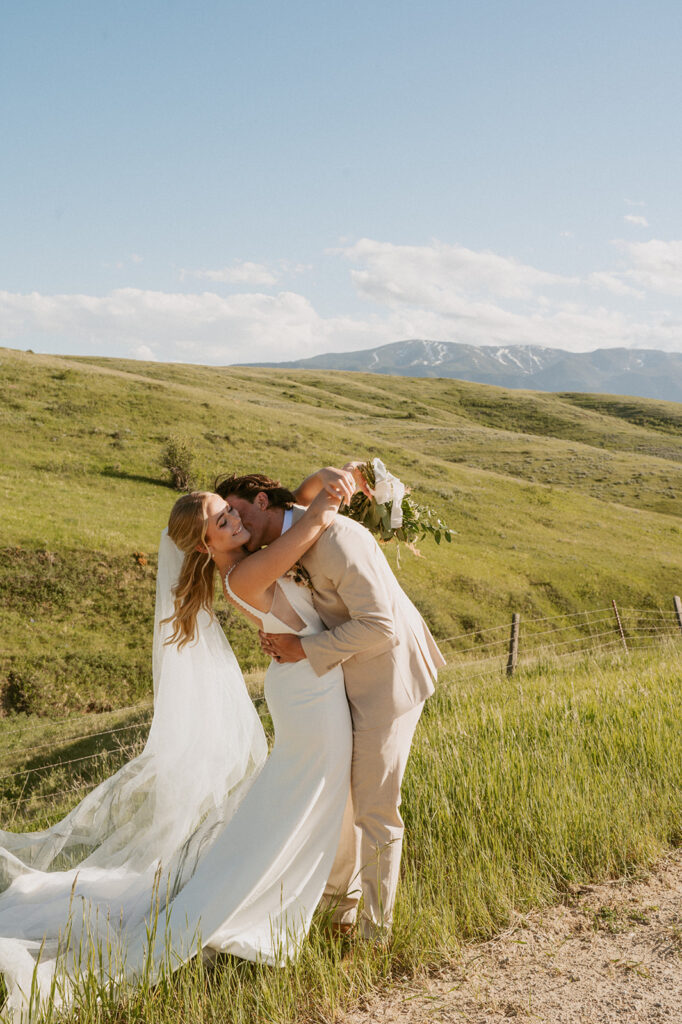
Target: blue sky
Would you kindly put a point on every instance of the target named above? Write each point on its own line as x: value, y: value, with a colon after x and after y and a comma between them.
x: 218, y: 182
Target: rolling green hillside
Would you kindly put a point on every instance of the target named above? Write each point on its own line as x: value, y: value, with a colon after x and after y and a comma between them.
x: 560, y: 502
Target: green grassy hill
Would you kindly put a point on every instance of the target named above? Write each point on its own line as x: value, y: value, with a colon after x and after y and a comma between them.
x: 560, y: 502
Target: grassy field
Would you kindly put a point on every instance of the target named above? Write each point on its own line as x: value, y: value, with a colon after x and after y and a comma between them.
x: 518, y: 791
x: 559, y: 502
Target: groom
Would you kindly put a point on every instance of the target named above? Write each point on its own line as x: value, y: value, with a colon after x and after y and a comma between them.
x: 389, y: 661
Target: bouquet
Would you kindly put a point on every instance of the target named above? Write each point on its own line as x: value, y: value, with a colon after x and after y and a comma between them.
x: 391, y: 513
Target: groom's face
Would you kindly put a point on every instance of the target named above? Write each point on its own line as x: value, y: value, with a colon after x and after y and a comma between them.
x: 263, y: 523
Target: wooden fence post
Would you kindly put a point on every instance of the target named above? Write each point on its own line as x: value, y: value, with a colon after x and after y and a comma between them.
x: 620, y: 626
x: 513, y: 644
x: 678, y: 609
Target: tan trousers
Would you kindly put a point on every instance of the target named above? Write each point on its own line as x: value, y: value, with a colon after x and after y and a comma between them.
x: 367, y: 861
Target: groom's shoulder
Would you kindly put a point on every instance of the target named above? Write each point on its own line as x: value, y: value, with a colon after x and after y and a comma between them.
x: 342, y: 534
x: 344, y: 524
x: 345, y: 532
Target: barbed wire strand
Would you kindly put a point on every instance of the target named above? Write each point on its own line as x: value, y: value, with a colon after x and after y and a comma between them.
x: 643, y: 646
x: 60, y: 764
x: 525, y: 659
x: 77, y: 794
x: 560, y: 629
x: 653, y: 631
x: 642, y: 614
x: 89, y: 785
x: 533, y: 635
x: 492, y: 643
x: 72, y: 739
x: 642, y: 632
x: 578, y: 639
x: 39, y: 797
x: 473, y: 632
x: 563, y: 615
x: 29, y: 751
x: 568, y: 615
x: 649, y: 611
x: 584, y: 650
x: 79, y: 739
x: 588, y: 640
x: 526, y: 622
x: 482, y: 647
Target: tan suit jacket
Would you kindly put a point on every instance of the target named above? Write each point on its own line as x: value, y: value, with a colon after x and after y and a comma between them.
x: 388, y: 655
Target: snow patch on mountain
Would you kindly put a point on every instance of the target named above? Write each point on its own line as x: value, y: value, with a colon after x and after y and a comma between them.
x: 504, y: 356
x: 643, y: 372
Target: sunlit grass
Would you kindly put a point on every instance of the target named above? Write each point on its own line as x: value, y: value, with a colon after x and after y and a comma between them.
x: 517, y: 791
x: 559, y: 503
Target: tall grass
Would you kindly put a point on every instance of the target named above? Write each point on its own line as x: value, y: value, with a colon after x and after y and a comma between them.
x: 517, y: 790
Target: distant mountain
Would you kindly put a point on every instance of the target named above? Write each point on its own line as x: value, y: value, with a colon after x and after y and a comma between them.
x: 620, y: 371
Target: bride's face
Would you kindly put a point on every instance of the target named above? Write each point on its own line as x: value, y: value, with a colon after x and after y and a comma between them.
x: 225, y: 531
x: 257, y: 517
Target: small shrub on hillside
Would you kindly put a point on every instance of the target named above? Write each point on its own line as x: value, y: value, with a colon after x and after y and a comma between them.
x: 178, y: 458
x: 19, y: 694
x: 74, y: 682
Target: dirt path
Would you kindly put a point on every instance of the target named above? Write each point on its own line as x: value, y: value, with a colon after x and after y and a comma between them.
x: 613, y: 955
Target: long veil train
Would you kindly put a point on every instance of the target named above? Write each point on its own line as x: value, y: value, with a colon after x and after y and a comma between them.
x: 154, y: 819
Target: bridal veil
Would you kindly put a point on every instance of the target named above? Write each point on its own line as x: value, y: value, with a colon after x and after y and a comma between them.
x: 138, y: 836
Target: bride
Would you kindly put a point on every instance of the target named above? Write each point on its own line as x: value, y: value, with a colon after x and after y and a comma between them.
x: 199, y: 841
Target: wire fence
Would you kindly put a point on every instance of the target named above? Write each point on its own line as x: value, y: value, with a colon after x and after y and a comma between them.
x: 518, y: 643
x: 569, y: 633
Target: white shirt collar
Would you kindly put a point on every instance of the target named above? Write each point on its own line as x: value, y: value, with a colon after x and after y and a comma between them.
x: 288, y: 518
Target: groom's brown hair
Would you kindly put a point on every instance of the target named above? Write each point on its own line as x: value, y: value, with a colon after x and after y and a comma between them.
x: 252, y: 484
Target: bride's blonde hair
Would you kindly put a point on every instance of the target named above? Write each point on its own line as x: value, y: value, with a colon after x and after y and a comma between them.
x: 187, y: 527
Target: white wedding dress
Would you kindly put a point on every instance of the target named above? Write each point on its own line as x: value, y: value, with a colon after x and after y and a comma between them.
x: 200, y: 841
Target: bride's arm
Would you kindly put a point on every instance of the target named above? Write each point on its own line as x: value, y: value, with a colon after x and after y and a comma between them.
x: 341, y: 482
x: 253, y: 576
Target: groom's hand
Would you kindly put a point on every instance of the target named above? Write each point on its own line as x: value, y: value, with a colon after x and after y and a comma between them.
x: 283, y: 647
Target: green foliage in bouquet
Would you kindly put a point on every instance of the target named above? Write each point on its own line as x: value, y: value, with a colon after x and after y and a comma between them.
x: 419, y: 521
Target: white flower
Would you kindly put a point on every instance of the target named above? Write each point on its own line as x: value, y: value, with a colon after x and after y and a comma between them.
x: 388, y: 488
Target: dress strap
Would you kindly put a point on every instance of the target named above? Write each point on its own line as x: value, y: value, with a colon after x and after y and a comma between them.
x: 237, y: 599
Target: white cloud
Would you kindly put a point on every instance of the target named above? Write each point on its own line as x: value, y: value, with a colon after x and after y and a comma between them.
x: 440, y: 292
x: 633, y: 218
x: 206, y: 326
x: 442, y: 277
x: 613, y: 282
x: 143, y: 352
x: 242, y: 272
x: 452, y: 293
x: 656, y: 265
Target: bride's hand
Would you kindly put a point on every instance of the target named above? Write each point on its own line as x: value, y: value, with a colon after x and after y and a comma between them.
x: 326, y: 504
x: 282, y: 647
x: 360, y: 484
x: 339, y: 483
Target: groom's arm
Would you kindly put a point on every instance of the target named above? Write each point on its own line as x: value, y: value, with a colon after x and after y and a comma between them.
x: 349, y: 558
